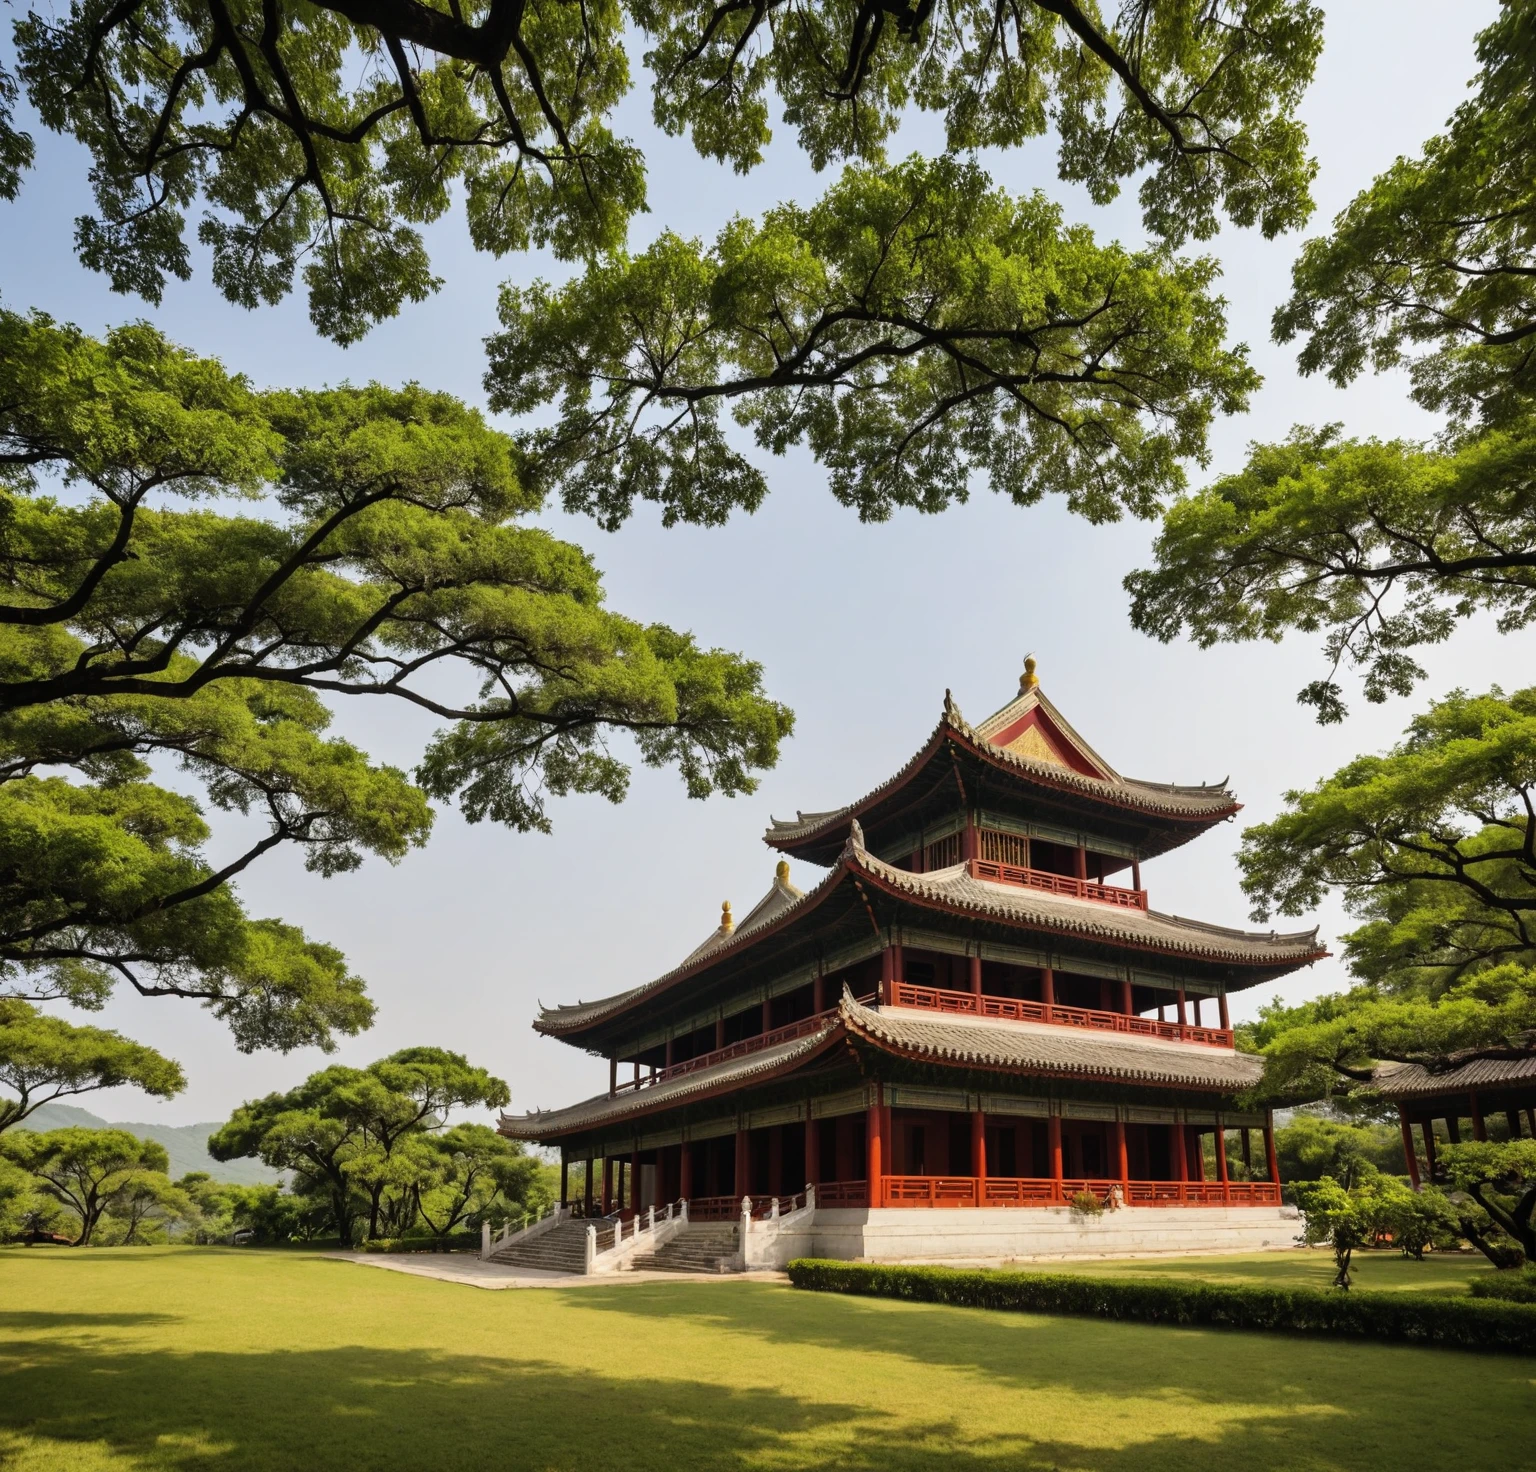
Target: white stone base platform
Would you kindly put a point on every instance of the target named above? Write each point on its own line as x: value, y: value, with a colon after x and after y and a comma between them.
x: 1036, y: 1234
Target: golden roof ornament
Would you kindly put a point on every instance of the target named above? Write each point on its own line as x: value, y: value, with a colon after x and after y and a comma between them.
x: 1029, y: 680
x: 727, y: 920
x: 781, y: 871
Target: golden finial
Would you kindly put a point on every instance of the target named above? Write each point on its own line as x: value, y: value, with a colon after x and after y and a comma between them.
x: 1029, y: 679
x: 727, y: 922
x: 781, y: 871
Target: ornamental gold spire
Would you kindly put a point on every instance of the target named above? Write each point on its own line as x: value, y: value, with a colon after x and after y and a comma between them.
x: 727, y: 920
x: 781, y: 871
x: 1029, y: 680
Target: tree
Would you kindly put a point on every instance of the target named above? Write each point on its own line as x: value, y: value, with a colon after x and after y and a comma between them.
x: 146, y: 1207
x: 1310, y: 1147
x: 914, y: 325
x: 261, y: 116
x: 1501, y: 1178
x: 371, y: 1141
x: 45, y: 1058
x: 83, y: 1170
x: 1386, y: 547
x: 476, y: 1171
x: 1331, y: 1213
x: 1431, y: 846
x: 383, y: 556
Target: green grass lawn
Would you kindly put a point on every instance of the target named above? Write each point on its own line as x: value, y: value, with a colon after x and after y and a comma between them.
x: 1376, y: 1272
x: 213, y: 1359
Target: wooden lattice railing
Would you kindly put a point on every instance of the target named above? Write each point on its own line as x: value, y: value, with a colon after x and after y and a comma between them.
x: 1015, y: 1009
x: 1067, y: 884
x: 959, y: 1191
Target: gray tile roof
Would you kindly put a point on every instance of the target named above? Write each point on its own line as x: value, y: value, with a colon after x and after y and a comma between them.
x: 955, y: 890
x: 733, y: 1072
x: 1164, y: 799
x: 1049, y: 1049
x: 1413, y: 1080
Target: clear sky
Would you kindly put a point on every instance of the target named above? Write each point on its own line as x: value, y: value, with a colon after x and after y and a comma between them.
x: 860, y: 629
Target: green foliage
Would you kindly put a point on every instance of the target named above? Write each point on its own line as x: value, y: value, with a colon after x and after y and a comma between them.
x: 1500, y: 1176
x: 382, y: 556
x: 1518, y: 1286
x: 84, y: 1170
x: 1309, y: 1148
x: 1387, y: 547
x: 1333, y: 1214
x: 1411, y: 1318
x: 913, y: 326
x: 261, y: 116
x: 371, y: 1145
x: 1431, y: 847
x: 44, y: 1058
x: 1085, y: 1203
x: 146, y: 1209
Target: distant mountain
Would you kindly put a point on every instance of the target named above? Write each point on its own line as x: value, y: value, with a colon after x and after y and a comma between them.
x: 186, y: 1144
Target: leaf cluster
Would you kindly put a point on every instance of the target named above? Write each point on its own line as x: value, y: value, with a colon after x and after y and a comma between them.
x: 318, y: 139
x: 913, y: 327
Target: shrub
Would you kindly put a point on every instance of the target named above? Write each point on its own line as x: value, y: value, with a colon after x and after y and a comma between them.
x: 1085, y: 1203
x: 451, y: 1242
x: 1513, y: 1285
x: 1410, y: 1318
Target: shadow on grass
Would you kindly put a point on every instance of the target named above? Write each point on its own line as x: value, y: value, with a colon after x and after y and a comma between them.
x: 365, y: 1407
x: 47, y: 1319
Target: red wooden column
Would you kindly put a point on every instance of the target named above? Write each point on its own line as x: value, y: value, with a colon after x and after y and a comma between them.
x: 613, y: 1077
x: 685, y: 1172
x: 1479, y: 1127
x: 1221, y: 1158
x: 975, y: 976
x: 1453, y: 1128
x: 1048, y: 990
x: 719, y: 1033
x: 1080, y: 864
x: 1180, y: 1153
x: 1269, y: 1147
x: 1221, y: 1003
x: 979, y: 1154
x: 1136, y: 874
x: 607, y: 1185
x: 1122, y: 1158
x: 1182, y: 1019
x: 586, y: 1194
x: 565, y: 1178
x: 767, y: 1015
x: 1429, y: 1147
x: 634, y: 1180
x: 1053, y: 1142
x: 1512, y: 1123
x: 888, y: 975
x: 743, y: 1164
x: 668, y: 1063
x: 1410, y: 1155
x: 1125, y: 999
x: 874, y: 1130
x: 776, y: 1160
x: 812, y: 1149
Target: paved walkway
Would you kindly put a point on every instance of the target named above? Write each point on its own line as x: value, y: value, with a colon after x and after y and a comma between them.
x: 465, y: 1268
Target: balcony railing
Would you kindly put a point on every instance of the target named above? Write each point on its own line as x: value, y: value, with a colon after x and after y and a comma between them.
x: 1014, y: 1009
x: 963, y: 1191
x: 1067, y: 884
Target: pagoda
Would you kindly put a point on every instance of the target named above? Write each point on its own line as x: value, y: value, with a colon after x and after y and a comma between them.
x: 974, y: 1014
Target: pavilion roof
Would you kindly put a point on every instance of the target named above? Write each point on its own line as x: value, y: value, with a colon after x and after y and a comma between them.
x: 1415, y: 1081
x: 954, y: 891
x: 988, y: 1043
x: 1044, y: 1048
x: 1033, y: 743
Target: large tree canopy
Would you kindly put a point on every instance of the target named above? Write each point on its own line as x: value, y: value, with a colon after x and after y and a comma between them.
x: 329, y: 133
x: 916, y: 324
x: 1433, y: 847
x: 381, y: 555
x: 1385, y: 547
x: 45, y: 1058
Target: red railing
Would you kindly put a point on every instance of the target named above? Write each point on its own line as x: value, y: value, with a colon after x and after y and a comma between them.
x: 842, y: 1193
x: 1067, y: 884
x: 1015, y: 1010
x: 714, y: 1208
x: 953, y: 1191
x: 733, y: 1050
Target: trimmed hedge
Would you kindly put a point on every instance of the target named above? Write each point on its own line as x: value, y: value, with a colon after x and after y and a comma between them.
x: 453, y: 1242
x: 1404, y: 1318
x: 1515, y: 1285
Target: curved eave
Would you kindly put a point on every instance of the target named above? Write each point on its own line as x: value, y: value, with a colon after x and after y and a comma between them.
x: 1019, y: 1049
x: 1091, y: 920
x: 1406, y: 1081
x: 603, y: 1112
x: 1200, y: 809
